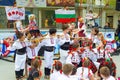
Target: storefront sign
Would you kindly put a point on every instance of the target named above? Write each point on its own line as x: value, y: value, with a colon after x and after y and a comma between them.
x: 31, y: 3
x: 14, y: 13
x: 61, y: 3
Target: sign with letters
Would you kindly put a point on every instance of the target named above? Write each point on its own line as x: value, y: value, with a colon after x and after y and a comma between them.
x: 31, y: 3
x: 14, y: 13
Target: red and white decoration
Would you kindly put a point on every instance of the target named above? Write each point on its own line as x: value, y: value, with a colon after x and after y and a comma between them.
x: 14, y: 13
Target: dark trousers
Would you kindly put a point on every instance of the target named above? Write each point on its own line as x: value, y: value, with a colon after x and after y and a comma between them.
x: 19, y: 74
x: 47, y: 71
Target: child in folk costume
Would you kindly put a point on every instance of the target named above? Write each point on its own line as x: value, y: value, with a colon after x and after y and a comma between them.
x: 57, y: 70
x: 73, y: 75
x: 73, y: 31
x: 102, y: 52
x: 35, y: 72
x: 67, y: 70
x: 74, y: 56
x: 19, y: 27
x: 32, y: 21
x: 20, y: 47
x: 110, y: 47
x: 85, y: 72
x: 110, y: 64
x: 105, y: 73
x: 93, y: 36
x: 32, y: 50
x: 89, y: 53
x: 101, y: 41
x: 81, y: 27
x: 49, y: 42
x: 64, y: 42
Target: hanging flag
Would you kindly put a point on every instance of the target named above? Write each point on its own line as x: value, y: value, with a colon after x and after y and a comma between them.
x: 65, y: 16
x: 14, y: 13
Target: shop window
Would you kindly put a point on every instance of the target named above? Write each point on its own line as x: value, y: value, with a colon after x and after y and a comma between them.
x: 110, y: 20
x: 48, y: 19
x: 3, y: 18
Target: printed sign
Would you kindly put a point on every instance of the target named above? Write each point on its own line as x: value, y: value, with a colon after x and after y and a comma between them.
x: 14, y: 13
x: 109, y: 36
x: 31, y: 3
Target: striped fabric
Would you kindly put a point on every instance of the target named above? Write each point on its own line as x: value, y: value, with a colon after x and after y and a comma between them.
x: 65, y: 16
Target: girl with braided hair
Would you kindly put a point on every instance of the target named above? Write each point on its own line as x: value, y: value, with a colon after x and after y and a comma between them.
x: 85, y: 72
x: 57, y: 70
x: 35, y: 72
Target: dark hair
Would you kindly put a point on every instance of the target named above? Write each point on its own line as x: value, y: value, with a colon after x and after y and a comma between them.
x: 74, y: 70
x: 52, y: 31
x: 14, y: 3
x: 96, y: 30
x: 65, y: 26
x: 58, y: 65
x: 90, y: 11
x: 108, y: 24
x: 19, y: 35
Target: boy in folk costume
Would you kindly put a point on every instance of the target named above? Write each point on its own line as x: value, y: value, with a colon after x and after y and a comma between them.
x: 110, y: 64
x: 32, y: 50
x: 67, y: 70
x: 64, y: 42
x: 73, y: 75
x: 105, y: 73
x: 49, y: 42
x: 20, y: 47
x: 57, y: 70
x: 74, y: 56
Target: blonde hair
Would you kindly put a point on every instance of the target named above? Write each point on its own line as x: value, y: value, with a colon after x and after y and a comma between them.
x: 67, y: 69
x: 86, y: 62
x: 105, y: 71
x: 100, y: 35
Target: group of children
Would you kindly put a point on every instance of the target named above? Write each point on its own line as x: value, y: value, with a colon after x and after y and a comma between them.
x: 86, y: 59
x: 81, y: 57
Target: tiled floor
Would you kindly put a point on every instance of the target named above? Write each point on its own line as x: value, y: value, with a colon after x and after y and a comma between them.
x: 7, y: 69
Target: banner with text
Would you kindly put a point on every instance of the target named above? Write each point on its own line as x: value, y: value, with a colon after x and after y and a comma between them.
x: 14, y: 13
x: 31, y: 3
